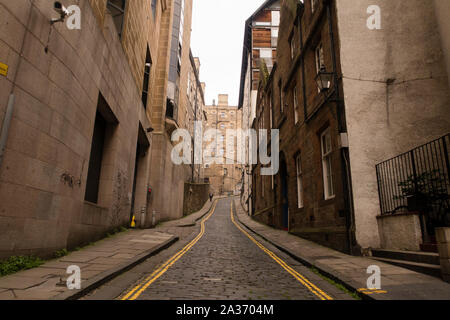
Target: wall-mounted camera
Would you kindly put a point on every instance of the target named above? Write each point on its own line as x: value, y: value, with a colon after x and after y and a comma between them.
x: 61, y: 10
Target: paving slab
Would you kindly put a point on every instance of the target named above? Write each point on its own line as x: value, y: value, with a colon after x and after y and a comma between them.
x: 397, y: 283
x: 98, y: 262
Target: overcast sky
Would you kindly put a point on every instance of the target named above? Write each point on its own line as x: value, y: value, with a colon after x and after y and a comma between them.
x: 217, y: 38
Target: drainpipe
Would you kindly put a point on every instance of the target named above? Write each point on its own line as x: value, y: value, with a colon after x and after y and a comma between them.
x: 5, y: 127
x: 345, y: 160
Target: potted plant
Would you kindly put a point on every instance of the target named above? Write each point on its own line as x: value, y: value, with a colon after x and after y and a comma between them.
x: 427, y: 194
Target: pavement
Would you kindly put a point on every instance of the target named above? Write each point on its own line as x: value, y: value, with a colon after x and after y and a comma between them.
x: 396, y: 283
x: 99, y: 263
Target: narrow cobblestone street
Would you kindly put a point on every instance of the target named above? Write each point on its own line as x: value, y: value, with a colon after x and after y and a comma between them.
x: 223, y: 264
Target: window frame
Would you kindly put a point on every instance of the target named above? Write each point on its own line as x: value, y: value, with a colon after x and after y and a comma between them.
x: 319, y: 57
x: 300, y: 191
x: 296, y: 105
x: 122, y: 13
x: 327, y: 168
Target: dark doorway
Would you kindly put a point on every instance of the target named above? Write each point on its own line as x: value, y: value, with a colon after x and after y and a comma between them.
x: 284, y: 194
x: 141, y: 151
x: 102, y: 138
x: 95, y: 161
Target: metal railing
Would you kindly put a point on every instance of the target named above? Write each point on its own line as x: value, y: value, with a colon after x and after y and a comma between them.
x: 417, y: 181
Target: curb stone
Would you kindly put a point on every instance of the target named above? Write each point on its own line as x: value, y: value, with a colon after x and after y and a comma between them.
x: 97, y: 281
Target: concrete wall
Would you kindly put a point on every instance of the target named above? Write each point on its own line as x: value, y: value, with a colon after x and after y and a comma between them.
x: 57, y: 94
x: 400, y: 232
x: 443, y: 239
x: 385, y: 120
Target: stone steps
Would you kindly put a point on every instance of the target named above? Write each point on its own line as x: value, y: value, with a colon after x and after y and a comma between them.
x: 422, y: 262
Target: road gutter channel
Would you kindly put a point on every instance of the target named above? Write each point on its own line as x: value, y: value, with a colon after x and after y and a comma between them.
x: 307, y: 263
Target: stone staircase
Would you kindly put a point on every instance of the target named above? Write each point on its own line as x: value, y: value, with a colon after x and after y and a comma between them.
x: 422, y: 262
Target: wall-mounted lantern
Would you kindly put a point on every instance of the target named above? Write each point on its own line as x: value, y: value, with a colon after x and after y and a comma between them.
x: 323, y: 79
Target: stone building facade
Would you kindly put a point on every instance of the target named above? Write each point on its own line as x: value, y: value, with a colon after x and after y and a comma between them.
x: 169, y: 105
x: 260, y: 44
x: 225, y: 174
x: 195, y: 113
x: 83, y: 115
x: 331, y: 140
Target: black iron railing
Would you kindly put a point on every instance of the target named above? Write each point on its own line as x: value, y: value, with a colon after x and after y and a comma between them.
x: 418, y: 181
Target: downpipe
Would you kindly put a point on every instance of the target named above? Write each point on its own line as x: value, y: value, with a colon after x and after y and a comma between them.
x: 5, y: 127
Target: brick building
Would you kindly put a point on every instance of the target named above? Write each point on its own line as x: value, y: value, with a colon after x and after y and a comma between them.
x: 365, y: 110
x: 224, y: 178
x: 83, y: 114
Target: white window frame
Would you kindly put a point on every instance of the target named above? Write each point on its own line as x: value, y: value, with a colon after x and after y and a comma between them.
x: 266, y: 53
x: 327, y: 169
x: 298, y: 165
x: 275, y: 18
x: 295, y: 97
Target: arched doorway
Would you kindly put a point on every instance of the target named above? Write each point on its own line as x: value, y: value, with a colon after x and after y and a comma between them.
x: 284, y: 193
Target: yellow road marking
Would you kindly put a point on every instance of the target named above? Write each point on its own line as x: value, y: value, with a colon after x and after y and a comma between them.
x: 140, y: 288
x: 313, y: 288
x: 371, y: 291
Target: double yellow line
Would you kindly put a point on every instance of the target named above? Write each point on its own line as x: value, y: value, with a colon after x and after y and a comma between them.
x: 308, y: 284
x: 140, y: 288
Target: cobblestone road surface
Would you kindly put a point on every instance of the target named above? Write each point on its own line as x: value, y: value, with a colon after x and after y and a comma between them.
x: 224, y: 264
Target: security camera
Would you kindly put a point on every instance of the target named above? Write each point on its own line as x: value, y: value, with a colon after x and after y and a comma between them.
x: 61, y: 10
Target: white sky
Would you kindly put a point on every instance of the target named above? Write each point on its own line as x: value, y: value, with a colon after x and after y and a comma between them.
x: 217, y: 38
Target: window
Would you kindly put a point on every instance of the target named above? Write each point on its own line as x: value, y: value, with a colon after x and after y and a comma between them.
x: 296, y: 114
x: 314, y: 5
x: 223, y: 115
x: 117, y: 10
x: 262, y: 186
x: 320, y: 62
x: 154, y: 8
x: 270, y: 113
x: 298, y: 164
x: 326, y: 164
x: 266, y: 55
x: 145, y: 86
x: 274, y: 37
x: 275, y: 18
x: 281, y: 97
x: 292, y: 45
x: 189, y: 83
x: 222, y: 126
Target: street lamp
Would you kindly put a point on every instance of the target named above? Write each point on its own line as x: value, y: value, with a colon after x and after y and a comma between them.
x: 323, y: 79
